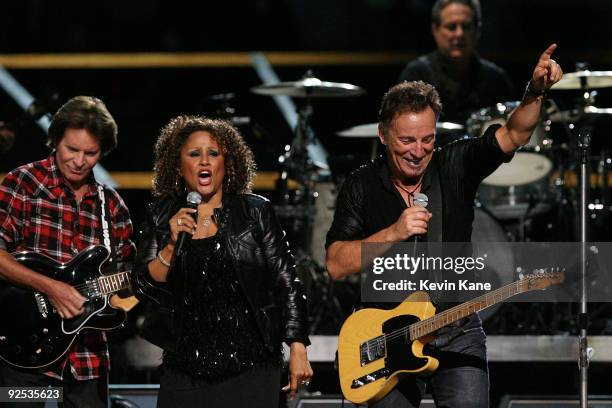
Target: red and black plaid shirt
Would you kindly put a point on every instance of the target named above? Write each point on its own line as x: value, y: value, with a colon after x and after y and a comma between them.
x: 39, y: 212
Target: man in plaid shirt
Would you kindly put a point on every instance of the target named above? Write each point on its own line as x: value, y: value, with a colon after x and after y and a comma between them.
x: 52, y: 207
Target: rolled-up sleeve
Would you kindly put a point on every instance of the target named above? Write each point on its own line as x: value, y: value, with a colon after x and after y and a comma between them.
x: 348, y: 219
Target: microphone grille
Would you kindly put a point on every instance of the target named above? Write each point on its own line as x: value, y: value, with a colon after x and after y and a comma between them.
x: 194, y: 198
x: 420, y: 199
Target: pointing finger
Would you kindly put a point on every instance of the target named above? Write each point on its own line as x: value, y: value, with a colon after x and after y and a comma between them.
x: 548, y: 52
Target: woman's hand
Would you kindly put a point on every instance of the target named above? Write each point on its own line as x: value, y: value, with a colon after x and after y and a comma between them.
x: 182, y: 221
x: 300, y: 371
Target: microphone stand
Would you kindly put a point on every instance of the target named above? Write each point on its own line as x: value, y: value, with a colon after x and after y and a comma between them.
x: 584, y: 138
x: 584, y: 145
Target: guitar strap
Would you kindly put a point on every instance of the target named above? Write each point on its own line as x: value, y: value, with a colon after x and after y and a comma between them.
x: 106, y: 234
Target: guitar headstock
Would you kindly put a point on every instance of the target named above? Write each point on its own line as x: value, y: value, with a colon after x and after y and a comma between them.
x: 540, y: 279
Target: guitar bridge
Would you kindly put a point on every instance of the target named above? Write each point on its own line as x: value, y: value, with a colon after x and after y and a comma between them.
x: 93, y: 289
x: 41, y: 303
x: 372, y: 350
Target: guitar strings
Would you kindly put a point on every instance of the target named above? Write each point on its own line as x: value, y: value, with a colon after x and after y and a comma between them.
x: 399, y: 333
x: 85, y: 286
x: 430, y: 321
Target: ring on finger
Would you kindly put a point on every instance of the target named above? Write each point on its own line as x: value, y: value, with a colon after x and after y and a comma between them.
x: 179, y: 222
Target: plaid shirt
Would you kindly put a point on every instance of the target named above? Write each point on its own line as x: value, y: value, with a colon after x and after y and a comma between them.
x: 39, y: 212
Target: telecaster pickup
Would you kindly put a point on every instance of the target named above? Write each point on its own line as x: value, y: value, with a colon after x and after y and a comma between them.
x: 372, y: 350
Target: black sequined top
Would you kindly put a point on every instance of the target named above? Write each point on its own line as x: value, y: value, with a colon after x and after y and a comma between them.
x: 219, y: 337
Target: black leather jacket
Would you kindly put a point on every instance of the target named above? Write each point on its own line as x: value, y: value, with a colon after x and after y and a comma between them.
x: 259, y: 252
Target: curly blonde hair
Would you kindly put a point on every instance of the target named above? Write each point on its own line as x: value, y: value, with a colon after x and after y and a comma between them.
x: 239, y: 163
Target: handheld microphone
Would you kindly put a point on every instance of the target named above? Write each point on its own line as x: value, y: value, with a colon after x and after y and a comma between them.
x: 193, y: 199
x: 420, y: 200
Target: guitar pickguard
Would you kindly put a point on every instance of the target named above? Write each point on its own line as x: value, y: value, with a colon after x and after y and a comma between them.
x: 399, y: 346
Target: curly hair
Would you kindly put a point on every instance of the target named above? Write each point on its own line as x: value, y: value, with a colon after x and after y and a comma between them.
x: 239, y: 162
x: 415, y: 96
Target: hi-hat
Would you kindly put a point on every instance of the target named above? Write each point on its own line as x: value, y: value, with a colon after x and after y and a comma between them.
x: 589, y: 113
x: 584, y: 80
x: 309, y: 87
x: 371, y: 129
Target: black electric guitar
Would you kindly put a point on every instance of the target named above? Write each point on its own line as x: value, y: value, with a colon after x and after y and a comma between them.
x: 376, y: 347
x: 32, y: 334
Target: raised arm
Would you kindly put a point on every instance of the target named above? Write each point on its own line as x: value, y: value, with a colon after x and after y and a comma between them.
x: 523, y: 121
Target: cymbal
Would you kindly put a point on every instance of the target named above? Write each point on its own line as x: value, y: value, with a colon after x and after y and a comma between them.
x: 593, y: 80
x: 588, y: 113
x: 371, y: 129
x: 309, y: 87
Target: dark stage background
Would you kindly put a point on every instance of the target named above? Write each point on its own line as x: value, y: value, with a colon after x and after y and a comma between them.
x: 142, y: 99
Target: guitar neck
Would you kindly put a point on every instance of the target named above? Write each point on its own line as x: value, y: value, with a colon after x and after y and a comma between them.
x: 113, y: 283
x: 428, y: 326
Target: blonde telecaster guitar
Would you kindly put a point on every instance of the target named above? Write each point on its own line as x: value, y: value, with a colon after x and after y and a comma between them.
x: 377, y: 347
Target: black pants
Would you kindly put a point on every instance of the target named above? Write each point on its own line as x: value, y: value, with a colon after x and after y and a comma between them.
x: 256, y: 388
x: 77, y: 394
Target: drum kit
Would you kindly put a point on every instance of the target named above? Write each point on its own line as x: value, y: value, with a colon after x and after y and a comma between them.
x: 298, y: 210
x: 531, y: 198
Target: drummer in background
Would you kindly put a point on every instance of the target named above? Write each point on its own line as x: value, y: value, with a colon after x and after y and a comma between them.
x: 464, y: 81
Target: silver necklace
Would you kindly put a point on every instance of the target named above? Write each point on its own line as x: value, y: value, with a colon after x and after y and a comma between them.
x: 206, y: 221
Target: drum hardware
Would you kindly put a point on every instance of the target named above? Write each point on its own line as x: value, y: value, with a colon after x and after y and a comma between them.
x: 585, y: 113
x: 579, y: 122
x: 295, y: 162
x: 370, y: 130
x: 227, y: 111
x: 602, y: 170
x: 299, y: 209
x: 325, y: 314
x: 486, y: 229
x: 309, y: 87
x: 584, y: 80
x: 520, y: 188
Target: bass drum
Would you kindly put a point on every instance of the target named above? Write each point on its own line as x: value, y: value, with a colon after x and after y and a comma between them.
x: 500, y: 261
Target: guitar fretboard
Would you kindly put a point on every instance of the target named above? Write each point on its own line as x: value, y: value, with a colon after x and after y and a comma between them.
x: 113, y: 283
x: 428, y: 326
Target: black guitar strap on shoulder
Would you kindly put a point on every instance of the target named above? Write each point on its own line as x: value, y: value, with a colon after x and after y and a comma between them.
x: 106, y: 234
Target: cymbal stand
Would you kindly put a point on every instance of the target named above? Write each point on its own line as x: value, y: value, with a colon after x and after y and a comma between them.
x: 296, y: 163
